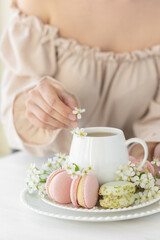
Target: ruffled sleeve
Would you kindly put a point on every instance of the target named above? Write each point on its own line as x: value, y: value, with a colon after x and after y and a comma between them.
x: 28, y: 49
x: 148, y: 127
x: 28, y: 46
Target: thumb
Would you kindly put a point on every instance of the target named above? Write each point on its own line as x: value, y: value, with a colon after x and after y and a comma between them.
x: 69, y: 100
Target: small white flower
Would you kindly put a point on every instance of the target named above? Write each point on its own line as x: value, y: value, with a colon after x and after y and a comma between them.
x: 147, y: 196
x: 89, y: 170
x: 30, y: 185
x: 79, y: 131
x: 42, y: 190
x: 143, y: 181
x: 74, y: 175
x: 150, y: 181
x: 84, y: 171
x: 59, y: 157
x: 156, y: 191
x: 138, y: 198
x: 32, y: 169
x: 32, y: 166
x: 156, y: 162
x: 69, y: 167
x: 125, y: 178
x: 120, y: 171
x: 130, y: 164
x: 135, y: 180
x: 78, y: 112
x: 128, y: 170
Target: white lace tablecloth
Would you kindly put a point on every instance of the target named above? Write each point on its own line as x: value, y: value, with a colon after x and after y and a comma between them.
x: 19, y: 223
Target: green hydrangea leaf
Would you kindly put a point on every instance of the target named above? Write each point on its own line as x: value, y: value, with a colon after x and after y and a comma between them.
x: 141, y: 174
x: 76, y: 167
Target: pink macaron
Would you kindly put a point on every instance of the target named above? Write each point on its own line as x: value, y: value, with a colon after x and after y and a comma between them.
x: 147, y: 166
x: 58, y: 186
x: 84, y: 191
x: 156, y: 154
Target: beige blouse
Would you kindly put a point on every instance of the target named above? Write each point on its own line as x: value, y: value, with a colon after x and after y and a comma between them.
x: 117, y: 90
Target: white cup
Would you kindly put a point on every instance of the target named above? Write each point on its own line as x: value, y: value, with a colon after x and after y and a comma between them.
x: 103, y: 154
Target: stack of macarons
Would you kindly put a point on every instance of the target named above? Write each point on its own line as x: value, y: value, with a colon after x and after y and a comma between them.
x: 116, y: 194
x: 82, y: 191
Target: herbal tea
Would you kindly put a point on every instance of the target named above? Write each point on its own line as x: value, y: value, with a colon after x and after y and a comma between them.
x: 100, y: 134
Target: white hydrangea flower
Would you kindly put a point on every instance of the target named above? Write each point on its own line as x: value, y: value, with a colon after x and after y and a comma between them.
x: 69, y: 167
x: 74, y: 175
x: 84, y: 171
x: 59, y: 157
x: 128, y: 170
x: 79, y: 131
x: 147, y: 196
x: 120, y: 171
x: 32, y: 169
x: 130, y: 164
x: 135, y: 180
x: 89, y: 170
x: 143, y: 180
x: 156, y: 191
x: 42, y: 190
x: 78, y: 112
x: 150, y: 181
x: 30, y: 187
x: 138, y: 198
x: 145, y: 183
x: 156, y: 162
x: 33, y: 178
x: 125, y: 173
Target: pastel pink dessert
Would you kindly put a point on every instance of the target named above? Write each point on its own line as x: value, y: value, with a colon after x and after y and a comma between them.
x: 156, y: 154
x: 73, y: 191
x: 84, y: 191
x: 147, y: 166
x: 58, y: 186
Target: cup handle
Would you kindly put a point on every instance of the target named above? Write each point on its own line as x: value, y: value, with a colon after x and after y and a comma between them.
x: 144, y: 145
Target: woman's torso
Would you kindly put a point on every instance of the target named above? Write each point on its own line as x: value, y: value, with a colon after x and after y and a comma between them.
x: 117, y: 25
x: 97, y: 58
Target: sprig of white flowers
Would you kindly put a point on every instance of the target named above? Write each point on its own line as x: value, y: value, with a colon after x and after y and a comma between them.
x: 145, y: 183
x: 156, y: 162
x: 36, y: 178
x: 79, y: 132
x: 78, y: 112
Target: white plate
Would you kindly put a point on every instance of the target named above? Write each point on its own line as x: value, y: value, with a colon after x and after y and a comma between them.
x: 97, y: 209
x: 37, y: 205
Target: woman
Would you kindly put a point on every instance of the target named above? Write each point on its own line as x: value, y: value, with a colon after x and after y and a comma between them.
x: 62, y: 54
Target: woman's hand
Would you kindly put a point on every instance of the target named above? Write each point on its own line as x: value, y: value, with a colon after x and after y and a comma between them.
x: 50, y: 107
x: 153, y: 152
x: 137, y: 150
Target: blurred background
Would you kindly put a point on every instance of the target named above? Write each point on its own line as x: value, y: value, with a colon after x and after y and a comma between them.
x: 5, y: 13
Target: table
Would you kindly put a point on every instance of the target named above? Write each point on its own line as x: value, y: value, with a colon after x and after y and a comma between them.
x: 18, y: 222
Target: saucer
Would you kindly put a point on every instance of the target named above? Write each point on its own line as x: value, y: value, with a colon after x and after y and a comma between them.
x: 36, y: 204
x: 98, y: 209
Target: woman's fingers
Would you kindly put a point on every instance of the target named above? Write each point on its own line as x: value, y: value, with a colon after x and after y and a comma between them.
x: 50, y: 96
x: 42, y: 116
x: 38, y: 100
x: 38, y: 123
x: 69, y: 100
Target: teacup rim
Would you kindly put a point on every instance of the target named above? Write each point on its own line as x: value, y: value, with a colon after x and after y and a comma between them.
x: 117, y: 131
